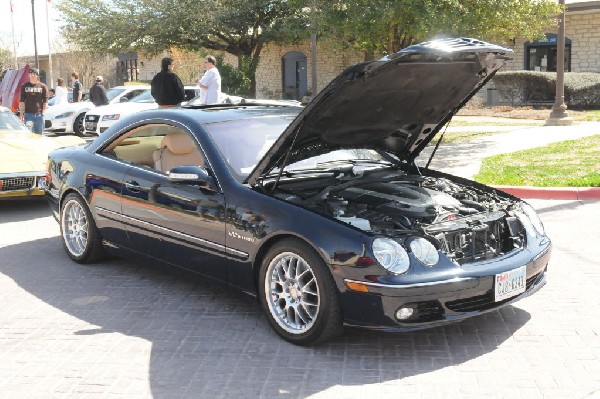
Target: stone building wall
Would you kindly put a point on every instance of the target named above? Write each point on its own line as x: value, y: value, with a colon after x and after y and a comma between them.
x: 330, y: 62
x: 584, y: 32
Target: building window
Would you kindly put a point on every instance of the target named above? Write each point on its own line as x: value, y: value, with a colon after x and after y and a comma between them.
x: 541, y: 55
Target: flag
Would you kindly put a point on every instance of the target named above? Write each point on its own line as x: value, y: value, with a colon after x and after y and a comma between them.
x: 11, y: 5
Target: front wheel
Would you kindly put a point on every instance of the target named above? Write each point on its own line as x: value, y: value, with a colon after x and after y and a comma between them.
x: 78, y: 231
x: 298, y: 295
x: 78, y: 125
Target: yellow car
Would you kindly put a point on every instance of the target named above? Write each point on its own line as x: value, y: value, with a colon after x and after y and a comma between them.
x: 23, y: 157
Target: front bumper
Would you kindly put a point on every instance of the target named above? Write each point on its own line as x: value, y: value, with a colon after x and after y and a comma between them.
x: 59, y: 125
x: 435, y: 303
x: 21, y: 185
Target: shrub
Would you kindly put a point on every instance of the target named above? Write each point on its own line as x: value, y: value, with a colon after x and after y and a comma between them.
x: 582, y: 89
x: 235, y: 80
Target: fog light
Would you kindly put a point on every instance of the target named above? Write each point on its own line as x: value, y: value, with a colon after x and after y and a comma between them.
x: 404, y: 313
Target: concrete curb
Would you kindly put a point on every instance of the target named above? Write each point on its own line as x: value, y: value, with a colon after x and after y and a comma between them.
x: 553, y: 193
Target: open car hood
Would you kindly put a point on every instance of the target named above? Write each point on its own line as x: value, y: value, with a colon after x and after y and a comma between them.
x: 396, y: 104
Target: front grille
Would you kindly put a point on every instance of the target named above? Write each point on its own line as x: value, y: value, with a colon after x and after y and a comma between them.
x: 424, y: 311
x: 429, y: 311
x: 485, y: 301
x: 482, y: 240
x: 17, y: 183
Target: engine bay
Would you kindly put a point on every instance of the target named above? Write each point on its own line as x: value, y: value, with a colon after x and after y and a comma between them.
x: 465, y: 222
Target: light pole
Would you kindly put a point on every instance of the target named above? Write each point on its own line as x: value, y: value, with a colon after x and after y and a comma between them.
x: 37, y: 61
x: 313, y: 50
x: 559, y: 115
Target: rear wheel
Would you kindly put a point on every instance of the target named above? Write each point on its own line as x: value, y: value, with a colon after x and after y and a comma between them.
x: 78, y: 125
x: 78, y: 231
x: 298, y: 295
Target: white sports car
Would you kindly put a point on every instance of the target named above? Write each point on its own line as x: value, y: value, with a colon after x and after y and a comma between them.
x: 68, y: 118
x: 101, y: 118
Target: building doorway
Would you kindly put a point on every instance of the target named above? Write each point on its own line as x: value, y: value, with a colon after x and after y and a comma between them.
x: 541, y: 55
x: 295, y: 80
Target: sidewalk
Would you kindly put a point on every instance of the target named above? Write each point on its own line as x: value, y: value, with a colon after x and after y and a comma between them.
x: 464, y: 159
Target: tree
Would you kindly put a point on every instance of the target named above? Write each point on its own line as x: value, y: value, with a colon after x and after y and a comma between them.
x: 238, y: 27
x: 242, y: 28
x: 87, y: 64
x: 386, y: 26
x: 7, y: 58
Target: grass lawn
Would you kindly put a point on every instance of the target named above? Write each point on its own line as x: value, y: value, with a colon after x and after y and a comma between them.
x: 573, y: 163
x: 536, y: 117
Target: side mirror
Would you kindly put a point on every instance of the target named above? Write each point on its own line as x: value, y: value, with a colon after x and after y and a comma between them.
x: 123, y: 99
x: 191, y: 174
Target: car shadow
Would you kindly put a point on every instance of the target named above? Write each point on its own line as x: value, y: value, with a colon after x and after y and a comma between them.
x: 211, y: 341
x: 12, y: 211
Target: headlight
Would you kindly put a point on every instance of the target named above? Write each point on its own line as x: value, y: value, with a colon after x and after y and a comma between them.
x: 391, y: 255
x: 424, y: 251
x: 534, y: 219
x: 113, y: 117
x: 65, y: 115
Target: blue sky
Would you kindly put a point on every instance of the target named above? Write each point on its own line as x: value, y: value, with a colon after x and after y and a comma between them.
x: 24, y: 25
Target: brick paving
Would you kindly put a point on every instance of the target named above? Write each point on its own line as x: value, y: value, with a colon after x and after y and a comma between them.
x: 123, y: 330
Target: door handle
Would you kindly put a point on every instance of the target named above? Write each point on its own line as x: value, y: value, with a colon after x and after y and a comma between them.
x: 133, y: 186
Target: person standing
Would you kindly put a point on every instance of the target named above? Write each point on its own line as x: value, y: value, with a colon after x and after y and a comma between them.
x: 33, y: 101
x: 77, y: 92
x: 166, y: 87
x: 98, y: 93
x: 211, y: 81
x: 61, y: 92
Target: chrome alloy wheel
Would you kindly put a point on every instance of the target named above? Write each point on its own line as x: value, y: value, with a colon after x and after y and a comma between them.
x: 292, y: 293
x: 75, y: 227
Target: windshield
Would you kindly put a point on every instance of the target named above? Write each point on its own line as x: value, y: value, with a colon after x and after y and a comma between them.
x: 243, y: 143
x: 9, y: 121
x: 145, y: 97
x: 112, y: 93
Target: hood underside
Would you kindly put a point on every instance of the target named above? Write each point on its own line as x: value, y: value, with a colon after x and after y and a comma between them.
x: 396, y: 104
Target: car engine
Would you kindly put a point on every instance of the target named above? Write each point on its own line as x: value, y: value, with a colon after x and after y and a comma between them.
x: 466, y: 223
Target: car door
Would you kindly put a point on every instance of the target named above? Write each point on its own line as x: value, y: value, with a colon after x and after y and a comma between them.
x: 104, y: 183
x: 178, y: 222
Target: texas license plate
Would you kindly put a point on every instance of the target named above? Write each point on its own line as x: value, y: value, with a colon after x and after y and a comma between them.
x: 41, y: 183
x: 510, y: 283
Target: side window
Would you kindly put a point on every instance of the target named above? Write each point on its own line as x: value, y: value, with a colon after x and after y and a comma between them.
x: 133, y: 93
x: 190, y: 93
x: 156, y: 146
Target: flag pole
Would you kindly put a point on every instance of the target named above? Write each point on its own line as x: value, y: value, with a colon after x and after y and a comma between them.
x: 12, y: 22
x: 37, y: 60
x: 50, y: 83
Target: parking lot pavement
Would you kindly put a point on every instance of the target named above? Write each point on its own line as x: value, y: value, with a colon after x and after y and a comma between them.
x: 123, y: 330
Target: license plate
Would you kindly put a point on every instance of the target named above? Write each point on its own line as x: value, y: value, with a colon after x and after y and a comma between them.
x: 41, y: 183
x: 510, y: 283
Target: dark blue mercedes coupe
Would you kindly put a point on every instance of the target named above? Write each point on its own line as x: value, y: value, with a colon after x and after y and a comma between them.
x: 320, y: 211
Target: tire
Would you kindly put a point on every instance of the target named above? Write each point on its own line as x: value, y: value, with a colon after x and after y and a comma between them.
x: 298, y: 295
x: 78, y: 231
x: 78, y: 125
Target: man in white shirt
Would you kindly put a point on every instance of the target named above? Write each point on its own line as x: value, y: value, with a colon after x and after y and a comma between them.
x: 211, y: 81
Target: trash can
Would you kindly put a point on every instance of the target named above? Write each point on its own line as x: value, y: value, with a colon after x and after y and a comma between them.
x: 493, y: 98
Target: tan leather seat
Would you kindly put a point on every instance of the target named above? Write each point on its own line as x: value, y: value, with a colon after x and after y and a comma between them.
x: 177, y: 150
